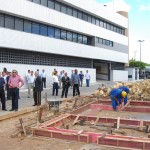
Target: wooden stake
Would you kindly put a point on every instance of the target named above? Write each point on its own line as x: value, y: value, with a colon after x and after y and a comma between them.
x: 22, y: 125
x: 76, y: 119
x: 118, y: 122
x: 97, y: 118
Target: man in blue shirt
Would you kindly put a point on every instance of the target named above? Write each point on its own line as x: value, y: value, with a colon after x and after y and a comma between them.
x: 126, y: 89
x: 117, y: 95
x: 2, y: 93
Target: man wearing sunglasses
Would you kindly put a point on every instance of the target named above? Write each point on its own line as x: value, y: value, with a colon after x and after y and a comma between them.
x: 14, y: 84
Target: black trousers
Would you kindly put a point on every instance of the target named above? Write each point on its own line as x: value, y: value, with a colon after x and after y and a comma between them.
x: 76, y: 88
x: 65, y: 91
x: 37, y: 97
x: 15, y: 96
x: 8, y: 92
x: 44, y: 82
x: 2, y: 97
x: 55, y: 88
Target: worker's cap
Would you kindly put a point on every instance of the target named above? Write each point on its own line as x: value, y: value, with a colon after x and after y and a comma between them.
x: 124, y: 94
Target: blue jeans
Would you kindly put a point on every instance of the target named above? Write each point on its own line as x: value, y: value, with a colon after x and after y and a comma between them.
x: 87, y: 82
x: 15, y: 96
x: 55, y: 88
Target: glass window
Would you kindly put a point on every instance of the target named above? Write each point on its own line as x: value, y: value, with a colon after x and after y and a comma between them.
x: 115, y: 29
x: 51, y: 4
x: 57, y: 6
x: 57, y: 33
x: 69, y: 11
x: 79, y: 14
x: 44, y: 2
x: 107, y: 43
x: 51, y: 32
x: 84, y: 39
x: 93, y: 20
x: 27, y: 26
x: 108, y: 26
x: 80, y: 38
x: 97, y: 40
x: 63, y: 34
x: 100, y: 40
x: 75, y: 13
x: 18, y: 24
x: 43, y: 30
x: 9, y: 22
x: 75, y: 37
x: 97, y: 22
x: 63, y: 9
x: 111, y: 43
x: 1, y: 20
x: 89, y: 19
x: 69, y: 36
x: 36, y: 1
x: 104, y: 42
x: 85, y: 17
x: 111, y: 27
x: 35, y: 28
x: 101, y: 23
x: 104, y: 24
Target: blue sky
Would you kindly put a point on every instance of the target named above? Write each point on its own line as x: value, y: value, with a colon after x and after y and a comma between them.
x: 139, y: 25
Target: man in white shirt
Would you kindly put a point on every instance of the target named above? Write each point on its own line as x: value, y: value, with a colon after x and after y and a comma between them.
x: 55, y: 84
x: 30, y: 81
x: 87, y: 77
x: 43, y: 76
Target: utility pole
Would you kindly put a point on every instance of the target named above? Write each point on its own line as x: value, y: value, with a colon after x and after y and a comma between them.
x: 140, y: 47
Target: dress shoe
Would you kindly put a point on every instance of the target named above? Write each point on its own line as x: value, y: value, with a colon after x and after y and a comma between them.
x: 11, y: 109
x: 34, y: 105
x: 4, y: 109
x: 16, y: 109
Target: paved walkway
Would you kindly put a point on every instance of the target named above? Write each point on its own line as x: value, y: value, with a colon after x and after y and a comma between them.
x: 25, y: 102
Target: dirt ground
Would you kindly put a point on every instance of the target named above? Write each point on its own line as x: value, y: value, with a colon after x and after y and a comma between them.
x: 7, y: 127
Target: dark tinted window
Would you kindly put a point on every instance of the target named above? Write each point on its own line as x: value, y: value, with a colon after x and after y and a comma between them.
x: 44, y: 2
x: 43, y: 30
x: 57, y: 33
x: 97, y: 22
x: 36, y: 1
x: 18, y: 24
x: 85, y: 17
x: 97, y: 40
x: 75, y: 13
x: 101, y: 23
x: 80, y: 39
x: 104, y: 25
x: 69, y: 36
x: 79, y: 14
x: 51, y: 32
x: 69, y: 11
x: 84, y: 40
x: 57, y: 6
x: 27, y: 26
x: 9, y: 22
x: 100, y: 41
x: 108, y: 26
x: 35, y: 28
x: 75, y: 37
x: 63, y: 34
x: 89, y: 19
x: 1, y: 20
x: 63, y: 9
x: 51, y: 4
x: 93, y: 20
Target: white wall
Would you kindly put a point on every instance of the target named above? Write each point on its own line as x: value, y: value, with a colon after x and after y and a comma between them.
x: 118, y: 75
x: 22, y: 70
x: 42, y: 14
x: 26, y: 41
x: 131, y: 72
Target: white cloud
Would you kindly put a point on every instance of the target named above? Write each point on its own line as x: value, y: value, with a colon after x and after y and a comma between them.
x: 145, y: 7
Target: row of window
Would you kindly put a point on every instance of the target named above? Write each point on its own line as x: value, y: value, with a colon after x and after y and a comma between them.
x: 19, y: 24
x: 104, y: 42
x: 53, y: 4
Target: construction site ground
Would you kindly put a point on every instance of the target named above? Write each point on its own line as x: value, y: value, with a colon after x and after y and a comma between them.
x: 7, y: 128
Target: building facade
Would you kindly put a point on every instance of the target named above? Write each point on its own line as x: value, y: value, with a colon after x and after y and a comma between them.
x: 62, y: 34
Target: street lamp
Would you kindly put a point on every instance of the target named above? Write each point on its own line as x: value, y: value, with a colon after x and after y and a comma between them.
x: 140, y: 47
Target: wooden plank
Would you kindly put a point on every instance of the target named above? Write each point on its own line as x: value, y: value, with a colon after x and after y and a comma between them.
x: 22, y: 125
x: 97, y: 118
x: 76, y: 119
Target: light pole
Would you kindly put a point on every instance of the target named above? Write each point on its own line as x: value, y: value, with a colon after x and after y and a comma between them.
x: 140, y: 47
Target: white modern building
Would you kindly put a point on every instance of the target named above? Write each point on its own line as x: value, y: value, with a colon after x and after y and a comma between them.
x: 63, y: 34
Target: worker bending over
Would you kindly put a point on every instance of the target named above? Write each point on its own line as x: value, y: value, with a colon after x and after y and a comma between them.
x: 126, y: 89
x: 117, y: 96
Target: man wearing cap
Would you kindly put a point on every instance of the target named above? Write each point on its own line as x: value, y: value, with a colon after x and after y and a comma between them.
x: 14, y: 84
x: 117, y: 95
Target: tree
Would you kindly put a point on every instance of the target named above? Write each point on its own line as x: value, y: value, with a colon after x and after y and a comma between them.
x: 133, y: 63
